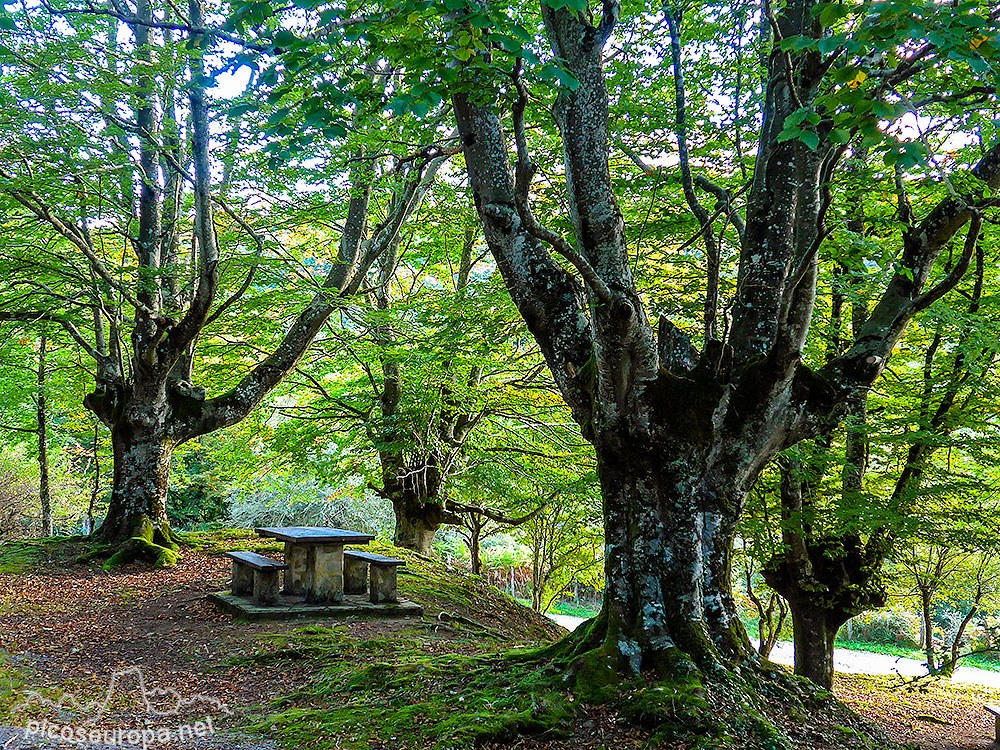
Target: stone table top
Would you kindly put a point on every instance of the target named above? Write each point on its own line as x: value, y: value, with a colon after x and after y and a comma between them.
x: 315, y: 535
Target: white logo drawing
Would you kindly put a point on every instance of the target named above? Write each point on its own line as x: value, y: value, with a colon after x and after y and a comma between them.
x: 97, y: 709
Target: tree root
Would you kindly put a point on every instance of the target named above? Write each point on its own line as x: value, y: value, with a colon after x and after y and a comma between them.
x: 688, y: 701
x: 149, y: 543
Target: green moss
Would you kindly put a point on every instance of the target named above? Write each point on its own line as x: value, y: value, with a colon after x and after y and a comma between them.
x: 447, y: 702
x: 150, y: 543
x: 24, y: 555
x: 223, y: 540
x: 679, y: 703
x: 11, y: 683
x: 138, y: 549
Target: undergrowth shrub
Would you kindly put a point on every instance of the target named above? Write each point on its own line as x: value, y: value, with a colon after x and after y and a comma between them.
x: 892, y: 627
x: 287, y: 501
x: 18, y: 500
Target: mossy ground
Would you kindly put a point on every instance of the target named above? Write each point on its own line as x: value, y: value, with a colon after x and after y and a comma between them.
x: 26, y: 554
x: 477, y: 670
x: 443, y: 701
x: 524, y: 698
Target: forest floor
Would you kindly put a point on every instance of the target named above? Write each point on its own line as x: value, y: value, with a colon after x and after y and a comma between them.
x: 66, y: 628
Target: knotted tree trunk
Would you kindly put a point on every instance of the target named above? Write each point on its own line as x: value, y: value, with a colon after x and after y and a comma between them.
x: 682, y: 433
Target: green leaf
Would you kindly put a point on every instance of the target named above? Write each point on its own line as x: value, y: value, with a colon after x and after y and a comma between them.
x: 278, y: 116
x: 577, y: 5
x: 553, y: 72
x: 797, y: 43
x: 285, y: 38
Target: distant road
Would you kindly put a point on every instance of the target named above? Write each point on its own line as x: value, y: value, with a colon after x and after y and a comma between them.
x: 854, y: 662
x: 567, y: 621
x: 862, y: 662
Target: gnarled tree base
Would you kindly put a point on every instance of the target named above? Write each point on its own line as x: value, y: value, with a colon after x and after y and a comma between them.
x: 559, y: 692
x: 751, y: 704
x: 146, y: 542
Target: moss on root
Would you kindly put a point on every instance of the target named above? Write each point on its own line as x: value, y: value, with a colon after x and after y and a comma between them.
x: 150, y: 543
x: 408, y: 700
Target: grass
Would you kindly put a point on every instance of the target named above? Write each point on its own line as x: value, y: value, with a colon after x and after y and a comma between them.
x: 575, y: 609
x: 23, y: 555
x: 564, y: 607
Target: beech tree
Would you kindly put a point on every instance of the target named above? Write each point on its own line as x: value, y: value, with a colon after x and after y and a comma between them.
x: 682, y: 432
x: 846, y: 506
x: 684, y: 414
x: 126, y: 217
x: 424, y: 392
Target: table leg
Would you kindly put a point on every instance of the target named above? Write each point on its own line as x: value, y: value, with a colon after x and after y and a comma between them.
x: 325, y: 573
x: 355, y: 576
x: 295, y: 576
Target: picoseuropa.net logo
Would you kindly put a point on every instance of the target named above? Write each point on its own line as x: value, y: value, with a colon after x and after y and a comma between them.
x: 172, y: 719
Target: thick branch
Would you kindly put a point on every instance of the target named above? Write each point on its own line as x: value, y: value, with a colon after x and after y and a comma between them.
x: 904, y: 296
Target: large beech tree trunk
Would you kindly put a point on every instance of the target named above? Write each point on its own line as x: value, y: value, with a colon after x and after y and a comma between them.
x: 681, y: 434
x: 145, y: 424
x: 417, y: 524
x: 139, y: 487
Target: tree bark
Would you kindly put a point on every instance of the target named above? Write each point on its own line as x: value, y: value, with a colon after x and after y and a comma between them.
x: 814, y: 634
x: 475, y: 544
x: 42, y: 415
x: 136, y: 525
x: 926, y: 615
x: 417, y: 523
x: 826, y: 580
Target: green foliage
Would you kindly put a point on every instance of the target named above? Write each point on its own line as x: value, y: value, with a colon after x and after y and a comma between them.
x: 890, y: 627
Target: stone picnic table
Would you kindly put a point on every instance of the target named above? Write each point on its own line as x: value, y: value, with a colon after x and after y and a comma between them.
x: 315, y: 559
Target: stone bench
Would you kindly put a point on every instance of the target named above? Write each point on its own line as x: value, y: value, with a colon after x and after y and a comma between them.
x: 256, y: 575
x: 383, y: 575
x: 995, y: 710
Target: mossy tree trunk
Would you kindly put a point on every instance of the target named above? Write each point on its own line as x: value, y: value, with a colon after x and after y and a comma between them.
x: 681, y: 433
x: 414, y: 472
x: 826, y: 580
x: 136, y: 524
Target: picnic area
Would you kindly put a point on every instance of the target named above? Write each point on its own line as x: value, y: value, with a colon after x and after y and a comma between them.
x: 287, y: 683
x: 317, y: 578
x: 456, y: 374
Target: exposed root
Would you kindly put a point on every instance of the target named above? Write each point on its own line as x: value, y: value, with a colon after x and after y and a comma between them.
x: 149, y: 543
x: 689, y: 701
